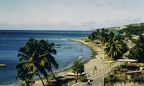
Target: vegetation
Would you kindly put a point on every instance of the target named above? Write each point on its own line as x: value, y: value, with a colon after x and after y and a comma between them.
x: 112, y: 79
x: 137, y: 52
x: 115, y: 48
x: 121, y: 77
x: 138, y: 79
x: 35, y: 58
x: 78, y: 68
x: 135, y: 29
x: 100, y: 34
x: 114, y: 45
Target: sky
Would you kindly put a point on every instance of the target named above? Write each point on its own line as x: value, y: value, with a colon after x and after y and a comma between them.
x: 69, y: 14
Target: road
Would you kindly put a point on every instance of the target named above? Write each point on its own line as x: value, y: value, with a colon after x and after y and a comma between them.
x: 98, y: 79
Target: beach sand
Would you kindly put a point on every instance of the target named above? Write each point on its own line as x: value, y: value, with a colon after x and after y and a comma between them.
x: 94, y: 64
x: 96, y: 60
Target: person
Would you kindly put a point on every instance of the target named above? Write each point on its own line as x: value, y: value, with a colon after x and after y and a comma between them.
x: 88, y: 82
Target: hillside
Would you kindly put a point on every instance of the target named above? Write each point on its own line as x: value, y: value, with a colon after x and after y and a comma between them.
x: 135, y: 29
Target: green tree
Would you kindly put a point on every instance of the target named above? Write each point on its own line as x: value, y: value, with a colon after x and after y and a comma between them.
x: 94, y: 35
x: 45, y: 56
x: 141, y: 39
x: 111, y: 79
x: 137, y: 52
x: 135, y: 29
x: 35, y: 57
x: 115, y: 48
x: 138, y: 78
x: 24, y: 73
x: 103, y: 36
x: 78, y: 67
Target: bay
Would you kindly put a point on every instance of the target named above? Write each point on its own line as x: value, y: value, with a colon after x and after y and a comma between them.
x: 12, y: 40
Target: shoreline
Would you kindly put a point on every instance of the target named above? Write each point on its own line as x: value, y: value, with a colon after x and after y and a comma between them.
x: 94, y: 61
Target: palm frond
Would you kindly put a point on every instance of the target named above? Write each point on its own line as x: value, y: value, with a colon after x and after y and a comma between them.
x: 23, y: 50
x: 23, y: 56
x: 35, y: 56
x: 53, y: 51
x: 52, y: 60
x: 42, y: 70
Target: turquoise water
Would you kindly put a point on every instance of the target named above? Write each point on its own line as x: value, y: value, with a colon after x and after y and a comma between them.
x: 12, y: 40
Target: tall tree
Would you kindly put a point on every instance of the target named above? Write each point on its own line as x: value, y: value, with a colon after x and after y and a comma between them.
x: 137, y: 52
x: 36, y: 57
x: 115, y: 48
x: 24, y: 72
x: 78, y: 67
x: 94, y: 35
x: 103, y: 36
x: 45, y: 51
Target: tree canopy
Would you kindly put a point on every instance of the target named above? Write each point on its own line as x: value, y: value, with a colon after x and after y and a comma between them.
x: 115, y: 48
x: 135, y: 29
x: 137, y: 52
x: 114, y: 44
x: 35, y: 58
x: 78, y: 67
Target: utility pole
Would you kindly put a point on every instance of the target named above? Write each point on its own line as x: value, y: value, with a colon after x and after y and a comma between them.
x: 103, y: 68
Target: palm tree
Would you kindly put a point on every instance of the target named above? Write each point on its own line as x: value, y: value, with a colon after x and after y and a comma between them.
x: 26, y: 55
x: 37, y: 58
x: 111, y: 35
x: 26, y: 71
x: 115, y: 48
x: 94, y: 35
x: 103, y: 36
x: 78, y: 67
x: 45, y: 56
x: 23, y: 73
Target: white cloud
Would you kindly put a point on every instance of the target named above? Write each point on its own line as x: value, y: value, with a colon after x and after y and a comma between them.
x: 72, y: 13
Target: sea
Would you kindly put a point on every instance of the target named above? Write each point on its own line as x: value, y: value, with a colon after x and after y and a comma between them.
x: 67, y: 51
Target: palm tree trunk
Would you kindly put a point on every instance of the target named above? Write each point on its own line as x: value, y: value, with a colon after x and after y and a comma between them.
x: 52, y: 71
x: 47, y: 80
x: 77, y: 77
x: 27, y: 83
x: 41, y: 80
x: 53, y: 74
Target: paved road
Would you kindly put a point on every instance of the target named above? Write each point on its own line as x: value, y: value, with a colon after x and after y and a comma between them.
x: 98, y: 79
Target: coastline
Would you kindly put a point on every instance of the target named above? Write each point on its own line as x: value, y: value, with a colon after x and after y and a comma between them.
x: 95, y: 61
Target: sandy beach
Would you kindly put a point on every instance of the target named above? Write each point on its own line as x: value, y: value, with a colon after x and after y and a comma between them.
x: 96, y: 60
x: 94, y: 64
